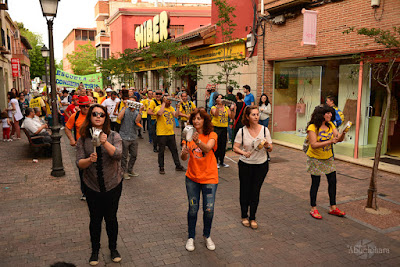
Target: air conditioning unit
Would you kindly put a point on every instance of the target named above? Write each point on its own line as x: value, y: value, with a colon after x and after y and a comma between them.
x: 279, y: 19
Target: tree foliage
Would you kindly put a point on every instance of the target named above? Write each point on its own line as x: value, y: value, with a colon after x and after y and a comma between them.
x: 226, y: 26
x: 37, y: 68
x: 83, y: 59
x: 384, y: 69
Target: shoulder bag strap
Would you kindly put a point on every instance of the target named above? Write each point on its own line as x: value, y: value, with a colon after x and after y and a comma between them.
x: 240, y: 113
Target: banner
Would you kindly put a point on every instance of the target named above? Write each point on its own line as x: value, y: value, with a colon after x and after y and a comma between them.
x: 309, y: 27
x: 15, y: 66
x: 65, y: 79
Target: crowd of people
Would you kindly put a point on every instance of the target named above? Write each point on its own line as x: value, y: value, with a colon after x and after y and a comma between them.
x: 123, y: 117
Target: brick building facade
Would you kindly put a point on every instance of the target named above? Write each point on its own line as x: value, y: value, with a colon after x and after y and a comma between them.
x: 312, y: 72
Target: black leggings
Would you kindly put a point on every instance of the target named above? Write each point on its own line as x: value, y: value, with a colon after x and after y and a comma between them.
x: 222, y: 133
x: 331, y: 188
x: 251, y: 178
x: 103, y: 205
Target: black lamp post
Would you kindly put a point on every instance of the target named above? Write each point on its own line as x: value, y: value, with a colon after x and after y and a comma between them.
x: 45, y: 54
x: 49, y: 10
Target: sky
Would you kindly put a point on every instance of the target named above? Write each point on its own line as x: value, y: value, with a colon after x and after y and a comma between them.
x: 70, y: 14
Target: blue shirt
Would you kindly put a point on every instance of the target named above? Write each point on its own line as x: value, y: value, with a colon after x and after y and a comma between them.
x: 248, y: 99
x: 211, y: 103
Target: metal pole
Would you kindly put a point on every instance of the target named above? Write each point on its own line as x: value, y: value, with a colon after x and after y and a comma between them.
x: 58, y: 168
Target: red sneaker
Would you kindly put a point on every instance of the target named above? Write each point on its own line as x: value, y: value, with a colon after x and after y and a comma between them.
x: 337, y: 212
x: 315, y: 214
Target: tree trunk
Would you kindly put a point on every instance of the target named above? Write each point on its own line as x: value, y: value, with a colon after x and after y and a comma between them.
x: 372, y: 190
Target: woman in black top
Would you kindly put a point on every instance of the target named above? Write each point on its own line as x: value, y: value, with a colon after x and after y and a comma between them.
x: 238, y: 110
x: 102, y: 178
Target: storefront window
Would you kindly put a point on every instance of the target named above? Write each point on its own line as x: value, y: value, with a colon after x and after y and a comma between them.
x: 301, y: 86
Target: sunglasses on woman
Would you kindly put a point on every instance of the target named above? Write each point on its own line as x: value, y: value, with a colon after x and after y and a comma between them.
x: 98, y: 114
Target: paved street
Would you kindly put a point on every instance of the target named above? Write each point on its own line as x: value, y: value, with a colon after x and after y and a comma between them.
x: 43, y: 220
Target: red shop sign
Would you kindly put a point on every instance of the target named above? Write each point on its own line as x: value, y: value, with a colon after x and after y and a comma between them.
x: 15, y: 66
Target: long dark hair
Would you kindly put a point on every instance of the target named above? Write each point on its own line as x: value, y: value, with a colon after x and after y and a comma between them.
x: 207, y: 126
x: 317, y: 117
x: 87, y: 124
x: 266, y: 101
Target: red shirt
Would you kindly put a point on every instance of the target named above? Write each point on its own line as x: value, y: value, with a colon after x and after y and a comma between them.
x: 69, y: 110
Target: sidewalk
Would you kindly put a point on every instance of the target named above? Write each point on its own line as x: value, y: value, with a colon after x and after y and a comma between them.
x: 43, y: 220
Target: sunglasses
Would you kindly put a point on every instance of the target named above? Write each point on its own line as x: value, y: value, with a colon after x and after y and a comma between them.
x: 158, y: 93
x: 84, y: 106
x: 98, y: 114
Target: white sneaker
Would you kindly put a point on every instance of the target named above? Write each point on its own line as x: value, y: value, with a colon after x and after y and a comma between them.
x: 218, y: 165
x: 126, y: 176
x: 209, y: 243
x: 225, y: 165
x: 133, y: 174
x: 190, y: 244
x: 9, y: 140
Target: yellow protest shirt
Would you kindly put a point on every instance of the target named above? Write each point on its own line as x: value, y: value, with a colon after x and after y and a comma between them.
x: 322, y: 152
x: 223, y: 118
x: 37, y: 102
x: 100, y: 99
x: 186, y: 108
x: 95, y: 94
x: 152, y: 106
x: 165, y: 122
x: 121, y: 105
x: 145, y: 103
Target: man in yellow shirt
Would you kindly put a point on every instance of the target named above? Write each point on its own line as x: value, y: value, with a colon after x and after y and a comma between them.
x: 37, y: 102
x: 185, y: 108
x: 156, y: 101
x: 165, y: 133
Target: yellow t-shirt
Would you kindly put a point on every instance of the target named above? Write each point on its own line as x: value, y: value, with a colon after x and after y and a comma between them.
x: 37, y: 102
x: 145, y: 103
x: 186, y: 108
x: 100, y: 99
x: 152, y: 106
x: 322, y: 152
x: 222, y: 120
x: 165, y: 122
x: 121, y: 105
x: 95, y: 94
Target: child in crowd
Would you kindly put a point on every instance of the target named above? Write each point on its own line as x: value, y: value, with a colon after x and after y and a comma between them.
x: 5, y: 122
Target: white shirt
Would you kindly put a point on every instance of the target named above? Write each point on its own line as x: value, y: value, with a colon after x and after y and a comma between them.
x: 266, y: 111
x: 110, y: 105
x: 17, y: 112
x: 5, y: 124
x: 257, y: 157
x: 32, y: 125
x: 64, y: 101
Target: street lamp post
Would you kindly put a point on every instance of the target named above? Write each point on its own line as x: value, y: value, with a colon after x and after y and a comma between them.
x: 45, y: 54
x: 49, y: 9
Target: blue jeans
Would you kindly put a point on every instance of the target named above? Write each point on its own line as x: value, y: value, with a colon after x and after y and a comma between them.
x: 193, y: 191
x: 152, y: 132
x: 264, y: 122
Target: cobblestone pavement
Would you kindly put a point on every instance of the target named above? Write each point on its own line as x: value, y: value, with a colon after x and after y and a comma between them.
x: 43, y: 220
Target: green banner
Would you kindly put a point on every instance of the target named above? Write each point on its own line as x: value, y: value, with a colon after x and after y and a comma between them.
x: 65, y: 79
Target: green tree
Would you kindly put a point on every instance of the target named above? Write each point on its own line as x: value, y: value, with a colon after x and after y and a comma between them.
x: 83, y: 59
x: 37, y: 68
x: 383, y: 69
x: 226, y: 26
x: 59, y: 65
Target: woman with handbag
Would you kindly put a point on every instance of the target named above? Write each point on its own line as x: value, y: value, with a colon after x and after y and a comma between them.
x: 102, y: 178
x: 201, y: 175
x: 252, y: 142
x: 321, y: 135
x: 220, y: 118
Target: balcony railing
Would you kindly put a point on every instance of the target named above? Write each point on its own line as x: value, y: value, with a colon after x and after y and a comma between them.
x: 3, y: 4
